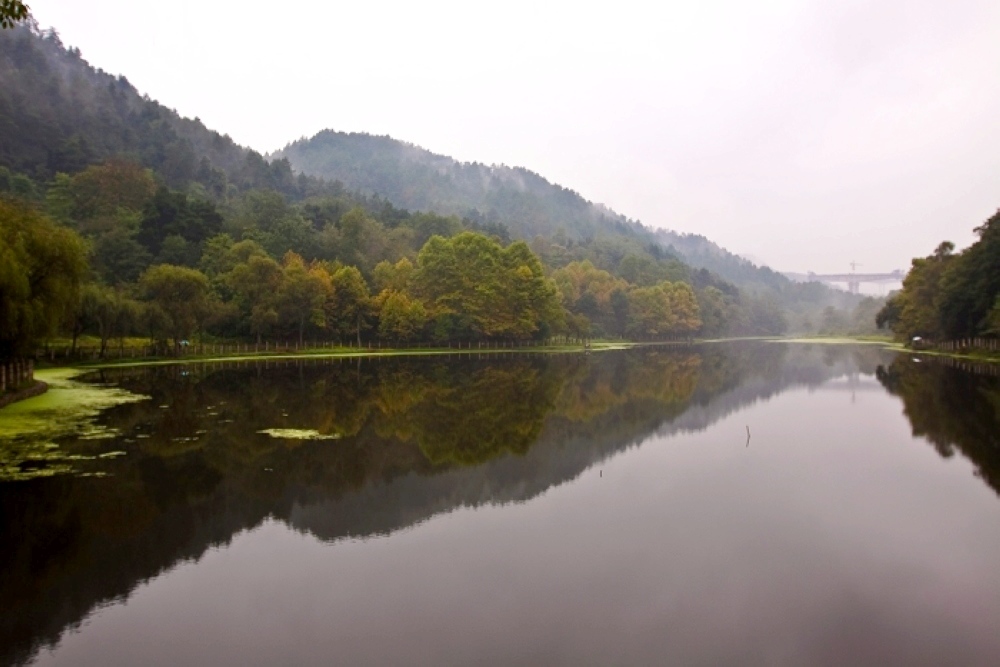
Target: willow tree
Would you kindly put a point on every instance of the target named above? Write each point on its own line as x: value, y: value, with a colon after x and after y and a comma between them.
x: 41, y: 267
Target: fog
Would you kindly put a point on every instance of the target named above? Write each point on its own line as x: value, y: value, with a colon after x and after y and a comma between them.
x: 805, y: 135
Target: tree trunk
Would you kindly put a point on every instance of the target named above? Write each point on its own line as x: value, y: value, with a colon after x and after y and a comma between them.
x: 102, y: 331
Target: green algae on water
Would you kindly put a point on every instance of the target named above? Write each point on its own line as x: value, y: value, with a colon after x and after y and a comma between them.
x: 29, y: 428
x: 298, y: 434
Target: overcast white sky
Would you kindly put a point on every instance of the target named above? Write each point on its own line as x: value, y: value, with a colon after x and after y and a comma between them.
x: 803, y: 134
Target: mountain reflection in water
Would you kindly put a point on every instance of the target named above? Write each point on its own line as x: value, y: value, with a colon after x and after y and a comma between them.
x: 395, y: 442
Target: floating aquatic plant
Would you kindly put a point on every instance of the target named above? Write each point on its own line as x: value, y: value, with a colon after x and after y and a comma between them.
x: 29, y: 428
x: 298, y: 434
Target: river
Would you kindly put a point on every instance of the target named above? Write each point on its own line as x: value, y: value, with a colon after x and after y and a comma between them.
x: 740, y: 503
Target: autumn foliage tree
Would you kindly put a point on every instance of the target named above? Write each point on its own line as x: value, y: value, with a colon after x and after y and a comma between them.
x: 303, y: 293
x: 662, y: 311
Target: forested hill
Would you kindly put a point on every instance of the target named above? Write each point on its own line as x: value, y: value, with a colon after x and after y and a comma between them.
x: 702, y: 253
x: 58, y: 114
x: 151, y: 195
x: 415, y: 178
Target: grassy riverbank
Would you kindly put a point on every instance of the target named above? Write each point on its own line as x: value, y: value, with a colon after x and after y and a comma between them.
x: 336, y: 352
x: 891, y: 344
x: 595, y: 346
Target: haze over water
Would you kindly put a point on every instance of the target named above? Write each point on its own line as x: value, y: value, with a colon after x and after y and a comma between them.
x: 551, y: 509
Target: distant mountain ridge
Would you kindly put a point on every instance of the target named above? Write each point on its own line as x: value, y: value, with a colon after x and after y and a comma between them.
x: 415, y: 178
x: 59, y: 114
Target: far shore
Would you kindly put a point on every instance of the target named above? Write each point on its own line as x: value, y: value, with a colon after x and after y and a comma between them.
x: 595, y: 346
x: 61, y: 372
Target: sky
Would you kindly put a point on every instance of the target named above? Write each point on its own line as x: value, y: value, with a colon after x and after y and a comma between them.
x: 803, y: 135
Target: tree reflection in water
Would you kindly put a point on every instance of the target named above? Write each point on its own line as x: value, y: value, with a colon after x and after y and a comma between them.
x: 414, y: 437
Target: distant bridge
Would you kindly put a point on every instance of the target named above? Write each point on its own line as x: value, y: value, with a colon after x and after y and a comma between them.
x: 854, y: 280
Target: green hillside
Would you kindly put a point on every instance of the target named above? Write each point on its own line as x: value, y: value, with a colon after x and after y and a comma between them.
x: 184, y: 233
x: 414, y: 178
x: 530, y: 206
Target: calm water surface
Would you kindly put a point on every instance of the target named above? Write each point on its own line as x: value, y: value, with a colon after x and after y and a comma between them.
x: 563, y: 509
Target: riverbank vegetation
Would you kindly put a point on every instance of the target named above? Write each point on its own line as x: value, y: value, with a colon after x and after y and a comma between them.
x: 949, y: 296
x: 171, y: 232
x: 145, y: 224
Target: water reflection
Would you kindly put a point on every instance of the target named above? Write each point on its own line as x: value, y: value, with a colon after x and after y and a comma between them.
x: 413, y: 438
x: 954, y: 409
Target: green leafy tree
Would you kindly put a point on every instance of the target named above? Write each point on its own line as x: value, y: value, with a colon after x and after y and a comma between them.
x: 118, y: 258
x: 649, y: 312
x: 395, y: 277
x: 351, y: 306
x: 107, y: 312
x: 889, y: 314
x: 586, y: 290
x: 174, y: 217
x: 618, y: 301
x: 401, y: 319
x: 41, y: 268
x: 255, y: 284
x: 686, y: 312
x: 667, y: 309
x: 59, y: 199
x: 993, y: 321
x: 948, y: 295
x: 970, y: 285
x: 761, y: 315
x: 181, y: 294
x: 107, y: 195
x: 217, y: 258
x: 920, y: 300
x: 303, y: 294
x: 12, y: 12
x: 474, y: 288
x: 715, y: 309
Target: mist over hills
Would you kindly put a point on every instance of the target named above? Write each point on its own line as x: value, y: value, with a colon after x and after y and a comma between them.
x: 415, y: 178
x: 61, y: 116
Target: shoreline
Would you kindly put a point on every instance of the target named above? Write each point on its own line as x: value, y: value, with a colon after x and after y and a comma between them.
x: 351, y: 353
x: 37, y: 388
x: 342, y: 353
